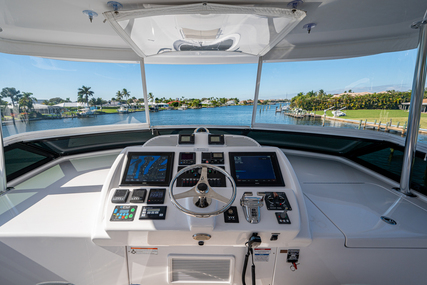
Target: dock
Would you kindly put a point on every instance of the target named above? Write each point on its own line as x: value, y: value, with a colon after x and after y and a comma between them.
x: 365, y: 125
x: 380, y: 126
x: 300, y: 114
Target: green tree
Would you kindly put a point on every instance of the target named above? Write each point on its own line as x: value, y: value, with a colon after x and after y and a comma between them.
x: 55, y: 100
x: 195, y: 103
x: 84, y: 94
x: 100, y: 102
x: 119, y: 96
x: 26, y: 102
x: 125, y: 93
x: 92, y: 102
x: 150, y: 97
x: 12, y: 93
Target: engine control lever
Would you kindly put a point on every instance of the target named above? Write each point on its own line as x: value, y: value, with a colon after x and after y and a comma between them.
x: 252, y: 207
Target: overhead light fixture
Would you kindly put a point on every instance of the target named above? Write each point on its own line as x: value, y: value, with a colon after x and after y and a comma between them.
x: 91, y: 14
x: 204, y: 28
x: 294, y: 4
x: 115, y: 5
x: 309, y: 26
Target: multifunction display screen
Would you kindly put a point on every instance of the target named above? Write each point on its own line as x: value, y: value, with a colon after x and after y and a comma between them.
x: 256, y: 169
x: 148, y: 169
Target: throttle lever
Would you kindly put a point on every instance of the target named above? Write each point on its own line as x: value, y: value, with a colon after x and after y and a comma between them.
x: 252, y: 207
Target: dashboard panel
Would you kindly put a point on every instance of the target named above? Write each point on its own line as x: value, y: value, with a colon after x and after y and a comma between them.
x: 137, y: 207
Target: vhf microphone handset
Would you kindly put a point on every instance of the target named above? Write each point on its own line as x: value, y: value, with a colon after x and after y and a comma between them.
x: 254, y: 241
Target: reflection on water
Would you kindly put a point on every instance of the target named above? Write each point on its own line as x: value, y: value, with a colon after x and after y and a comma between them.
x: 232, y: 115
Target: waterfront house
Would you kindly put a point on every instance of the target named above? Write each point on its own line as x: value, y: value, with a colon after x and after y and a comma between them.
x: 405, y: 106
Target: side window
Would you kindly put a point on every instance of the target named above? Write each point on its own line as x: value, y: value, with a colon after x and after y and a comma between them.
x: 19, y: 160
x: 389, y: 161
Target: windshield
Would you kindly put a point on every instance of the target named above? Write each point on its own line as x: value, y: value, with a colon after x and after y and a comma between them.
x: 41, y: 94
x: 365, y: 93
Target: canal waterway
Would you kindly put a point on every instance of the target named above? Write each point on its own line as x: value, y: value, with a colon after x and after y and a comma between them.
x: 231, y: 115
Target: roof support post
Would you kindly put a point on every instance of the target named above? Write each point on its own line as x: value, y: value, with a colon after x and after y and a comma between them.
x: 258, y: 82
x: 3, y: 181
x: 418, y: 86
x: 144, y: 89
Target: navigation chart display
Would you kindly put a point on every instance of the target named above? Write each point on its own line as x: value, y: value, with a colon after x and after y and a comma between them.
x: 148, y: 169
x: 255, y: 169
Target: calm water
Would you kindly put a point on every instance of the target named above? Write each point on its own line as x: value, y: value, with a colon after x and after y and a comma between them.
x: 232, y: 115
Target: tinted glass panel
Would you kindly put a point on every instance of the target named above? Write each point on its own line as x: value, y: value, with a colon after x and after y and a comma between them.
x: 18, y: 159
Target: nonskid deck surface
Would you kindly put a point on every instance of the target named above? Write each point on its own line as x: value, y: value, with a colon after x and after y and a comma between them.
x: 47, y: 221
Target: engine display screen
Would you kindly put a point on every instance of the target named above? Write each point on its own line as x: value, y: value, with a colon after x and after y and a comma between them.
x: 256, y: 169
x: 187, y: 155
x: 148, y: 169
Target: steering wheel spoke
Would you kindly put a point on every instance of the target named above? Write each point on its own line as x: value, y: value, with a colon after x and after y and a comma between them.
x: 187, y: 194
x: 214, y: 195
x: 204, y: 175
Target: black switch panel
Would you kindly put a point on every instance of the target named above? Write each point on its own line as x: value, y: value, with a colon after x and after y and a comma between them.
x: 156, y: 196
x: 120, y: 196
x: 282, y: 218
x: 153, y: 213
x: 231, y: 215
x: 138, y: 196
x: 277, y: 201
x: 191, y: 177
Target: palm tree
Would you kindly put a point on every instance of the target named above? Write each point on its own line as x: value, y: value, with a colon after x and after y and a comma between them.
x: 79, y: 98
x: 92, y: 102
x: 85, y: 92
x: 119, y: 96
x: 150, y: 97
x: 125, y: 93
x: 27, y: 102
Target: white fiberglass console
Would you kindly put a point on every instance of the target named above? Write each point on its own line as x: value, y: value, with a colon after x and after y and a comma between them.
x: 227, y: 188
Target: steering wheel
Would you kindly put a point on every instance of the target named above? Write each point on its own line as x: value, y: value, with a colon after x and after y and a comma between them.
x: 203, y: 191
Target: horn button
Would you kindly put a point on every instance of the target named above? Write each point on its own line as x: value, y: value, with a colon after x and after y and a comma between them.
x: 202, y: 188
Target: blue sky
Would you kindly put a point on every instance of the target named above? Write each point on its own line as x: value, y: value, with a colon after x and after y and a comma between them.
x: 47, y: 78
